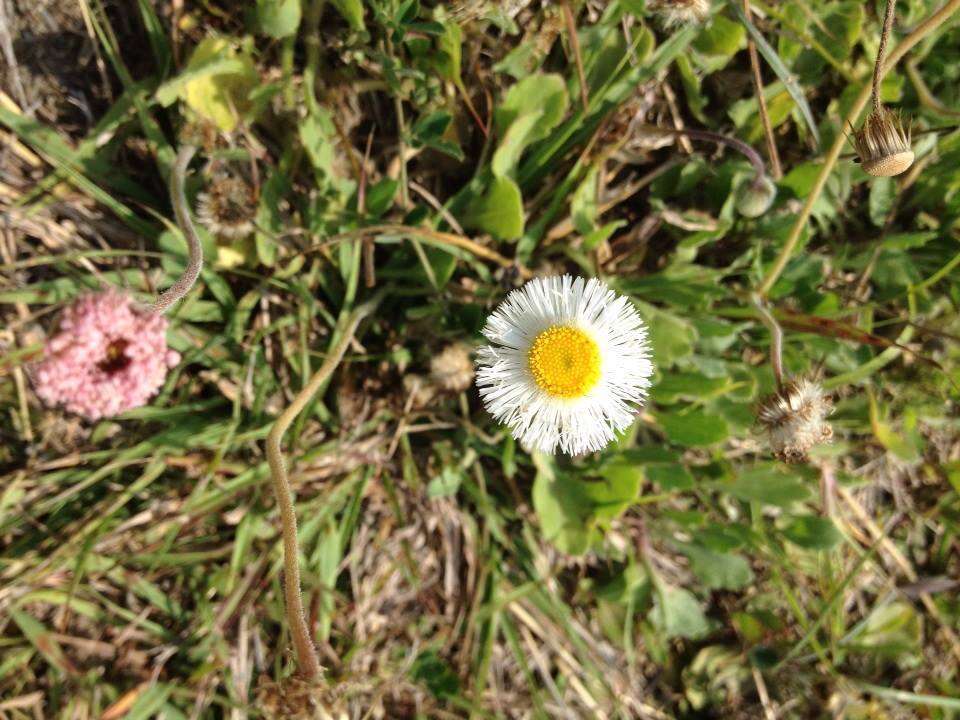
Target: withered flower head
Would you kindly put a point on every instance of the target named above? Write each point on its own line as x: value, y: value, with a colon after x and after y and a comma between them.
x: 228, y: 207
x: 681, y: 12
x: 452, y: 369
x: 882, y: 144
x: 795, y: 419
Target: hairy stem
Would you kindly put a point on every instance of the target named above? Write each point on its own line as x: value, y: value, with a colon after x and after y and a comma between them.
x: 307, y: 659
x: 759, y: 168
x: 178, y: 197
x: 878, y: 65
x: 776, y: 339
x: 932, y: 23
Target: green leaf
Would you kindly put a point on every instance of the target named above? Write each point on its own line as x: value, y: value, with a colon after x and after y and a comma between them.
x: 677, y: 613
x: 718, y: 570
x: 517, y: 137
x: 686, y: 385
x: 673, y: 476
x: 895, y: 630
x: 431, y: 131
x: 768, y: 486
x: 448, y: 52
x: 543, y: 93
x: 583, y: 204
x: 882, y: 194
x: 499, y: 211
x: 722, y: 37
x: 42, y: 639
x: 812, y: 532
x: 149, y: 702
x: 694, y: 428
x: 316, y: 134
x: 671, y: 336
x: 352, y: 12
x: 216, y: 83
x: 279, y: 18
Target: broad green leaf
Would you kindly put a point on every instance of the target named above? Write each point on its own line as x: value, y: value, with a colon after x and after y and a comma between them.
x: 694, y: 428
x: 673, y: 476
x: 316, y: 134
x: 616, y: 488
x: 677, y: 613
x: 543, y: 93
x: 768, y: 486
x: 279, y: 18
x: 562, y: 511
x: 217, y: 82
x: 671, y: 336
x: 895, y: 630
x: 685, y: 385
x: 499, y: 211
x: 722, y: 37
x: 718, y: 570
x: 518, y: 136
x: 812, y: 532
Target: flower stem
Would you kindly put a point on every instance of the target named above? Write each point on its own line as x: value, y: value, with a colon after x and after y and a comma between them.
x: 178, y: 197
x: 878, y: 65
x: 932, y: 23
x: 776, y: 339
x: 307, y: 659
x: 759, y: 168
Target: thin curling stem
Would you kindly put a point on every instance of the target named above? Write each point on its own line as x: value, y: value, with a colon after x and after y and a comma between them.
x: 776, y: 339
x: 307, y: 658
x: 878, y: 65
x: 178, y: 197
x: 759, y: 167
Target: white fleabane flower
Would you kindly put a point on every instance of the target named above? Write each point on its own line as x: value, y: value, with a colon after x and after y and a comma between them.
x: 569, y: 364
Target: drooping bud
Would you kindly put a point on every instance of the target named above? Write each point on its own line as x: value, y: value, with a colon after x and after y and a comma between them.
x: 754, y: 198
x: 795, y: 419
x: 883, y: 145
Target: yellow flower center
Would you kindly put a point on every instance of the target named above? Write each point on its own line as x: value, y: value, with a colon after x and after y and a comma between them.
x: 564, y: 361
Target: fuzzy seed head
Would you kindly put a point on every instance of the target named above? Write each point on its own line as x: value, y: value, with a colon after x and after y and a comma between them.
x: 674, y: 13
x: 108, y: 356
x: 883, y: 145
x: 228, y: 207
x: 795, y: 419
x: 452, y: 369
x: 755, y: 197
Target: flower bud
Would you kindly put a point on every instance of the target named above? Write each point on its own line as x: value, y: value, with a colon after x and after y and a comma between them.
x: 755, y: 197
x: 452, y: 369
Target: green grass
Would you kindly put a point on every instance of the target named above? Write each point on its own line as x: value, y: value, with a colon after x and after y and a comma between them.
x: 682, y: 572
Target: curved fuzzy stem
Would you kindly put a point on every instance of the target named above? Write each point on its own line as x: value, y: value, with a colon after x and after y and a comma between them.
x: 776, y: 339
x: 878, y: 65
x: 759, y: 168
x: 307, y: 659
x: 178, y: 197
x: 932, y: 23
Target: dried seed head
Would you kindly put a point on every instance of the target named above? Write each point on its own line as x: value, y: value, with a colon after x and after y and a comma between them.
x: 452, y: 369
x: 755, y: 197
x: 883, y: 145
x: 227, y: 207
x: 681, y: 12
x: 294, y: 699
x: 796, y: 419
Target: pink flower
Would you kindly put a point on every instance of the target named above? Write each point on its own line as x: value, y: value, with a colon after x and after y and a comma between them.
x: 109, y: 356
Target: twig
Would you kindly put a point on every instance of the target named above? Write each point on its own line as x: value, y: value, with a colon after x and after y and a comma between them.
x: 775, y: 170
x: 575, y: 49
x: 307, y: 659
x: 933, y: 22
x: 178, y: 197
